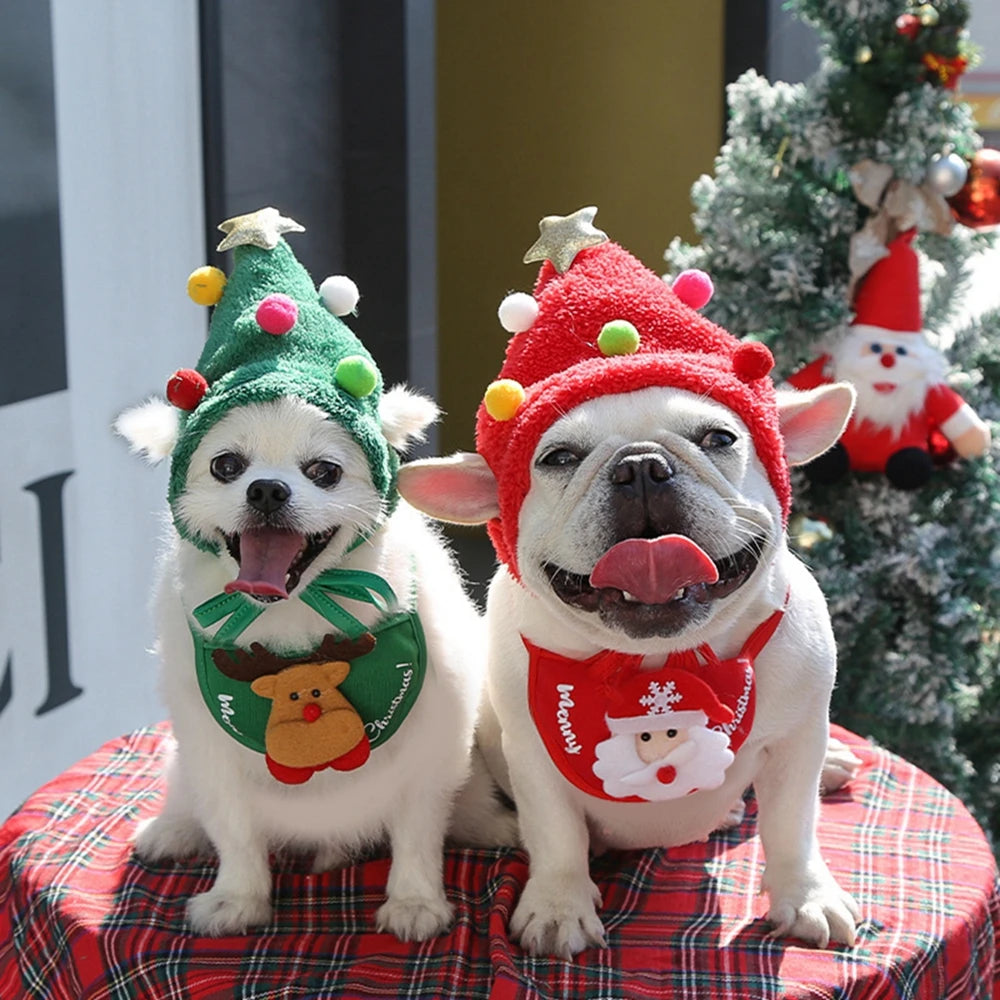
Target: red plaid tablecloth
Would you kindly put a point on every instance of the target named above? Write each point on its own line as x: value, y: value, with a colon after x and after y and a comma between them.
x: 81, y: 919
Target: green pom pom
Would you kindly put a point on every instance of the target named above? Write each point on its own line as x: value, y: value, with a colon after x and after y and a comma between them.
x: 357, y: 375
x: 618, y: 337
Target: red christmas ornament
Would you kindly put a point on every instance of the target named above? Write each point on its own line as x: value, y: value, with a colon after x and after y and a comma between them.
x: 277, y: 314
x: 977, y: 204
x: 186, y: 388
x: 908, y: 25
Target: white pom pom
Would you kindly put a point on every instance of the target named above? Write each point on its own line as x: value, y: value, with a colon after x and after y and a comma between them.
x: 517, y: 312
x: 339, y: 294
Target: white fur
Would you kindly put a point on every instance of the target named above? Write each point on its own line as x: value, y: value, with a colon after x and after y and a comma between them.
x: 220, y: 793
x: 564, y: 520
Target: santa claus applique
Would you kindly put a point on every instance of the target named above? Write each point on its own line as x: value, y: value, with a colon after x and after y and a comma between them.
x: 906, y: 415
x: 667, y: 738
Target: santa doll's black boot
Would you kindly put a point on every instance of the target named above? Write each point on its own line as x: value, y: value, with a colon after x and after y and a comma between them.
x: 909, y: 468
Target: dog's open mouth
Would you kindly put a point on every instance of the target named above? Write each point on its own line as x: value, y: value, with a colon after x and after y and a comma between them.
x: 655, y: 586
x: 272, y: 560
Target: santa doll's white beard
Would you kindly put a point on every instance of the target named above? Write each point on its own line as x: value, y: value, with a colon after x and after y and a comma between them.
x: 913, y: 374
x: 700, y: 761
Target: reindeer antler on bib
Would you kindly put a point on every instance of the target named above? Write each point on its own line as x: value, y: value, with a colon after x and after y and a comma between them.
x: 258, y: 661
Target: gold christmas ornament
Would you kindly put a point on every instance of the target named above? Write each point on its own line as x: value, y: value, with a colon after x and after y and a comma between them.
x: 863, y: 55
x: 928, y: 15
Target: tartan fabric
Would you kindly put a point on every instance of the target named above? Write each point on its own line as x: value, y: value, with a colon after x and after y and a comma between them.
x: 81, y: 919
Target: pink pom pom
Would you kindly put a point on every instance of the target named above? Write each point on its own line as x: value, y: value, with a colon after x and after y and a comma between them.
x: 752, y: 361
x: 693, y: 287
x: 277, y: 314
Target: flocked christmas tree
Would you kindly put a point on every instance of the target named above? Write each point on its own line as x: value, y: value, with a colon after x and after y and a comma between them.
x: 815, y: 184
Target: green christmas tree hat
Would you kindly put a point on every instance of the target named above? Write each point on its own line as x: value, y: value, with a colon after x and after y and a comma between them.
x: 274, y: 334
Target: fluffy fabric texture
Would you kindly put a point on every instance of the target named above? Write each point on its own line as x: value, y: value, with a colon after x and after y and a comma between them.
x: 244, y: 364
x: 559, y: 364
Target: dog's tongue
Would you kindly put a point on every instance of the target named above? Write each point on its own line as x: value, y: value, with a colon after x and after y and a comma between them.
x: 265, y: 557
x: 653, y: 570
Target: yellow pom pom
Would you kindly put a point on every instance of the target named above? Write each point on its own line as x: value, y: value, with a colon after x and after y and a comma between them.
x: 205, y: 286
x: 503, y: 398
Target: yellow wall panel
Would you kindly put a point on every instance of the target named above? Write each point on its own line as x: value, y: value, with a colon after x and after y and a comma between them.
x: 545, y: 106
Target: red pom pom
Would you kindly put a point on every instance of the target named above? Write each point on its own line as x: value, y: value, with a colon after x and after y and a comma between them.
x: 186, y: 388
x: 693, y: 287
x: 752, y: 361
x: 277, y: 314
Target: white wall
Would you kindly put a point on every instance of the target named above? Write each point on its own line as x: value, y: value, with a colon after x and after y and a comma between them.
x: 130, y: 194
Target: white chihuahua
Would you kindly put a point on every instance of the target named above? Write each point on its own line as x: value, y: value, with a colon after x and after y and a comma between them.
x: 320, y: 658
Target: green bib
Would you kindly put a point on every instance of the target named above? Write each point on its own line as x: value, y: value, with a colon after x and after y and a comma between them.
x: 382, y: 685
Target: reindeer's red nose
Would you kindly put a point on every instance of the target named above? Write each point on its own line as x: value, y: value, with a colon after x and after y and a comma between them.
x: 311, y: 711
x: 888, y: 360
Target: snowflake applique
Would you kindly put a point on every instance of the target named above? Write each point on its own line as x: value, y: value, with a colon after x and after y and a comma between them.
x: 661, y: 697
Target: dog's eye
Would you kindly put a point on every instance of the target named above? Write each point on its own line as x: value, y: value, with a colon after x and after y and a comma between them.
x: 559, y: 458
x: 228, y: 466
x: 717, y: 439
x: 323, y: 474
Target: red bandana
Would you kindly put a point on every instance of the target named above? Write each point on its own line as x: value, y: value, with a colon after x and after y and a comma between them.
x: 686, y: 719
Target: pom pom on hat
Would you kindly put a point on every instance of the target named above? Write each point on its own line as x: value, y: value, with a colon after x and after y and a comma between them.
x: 339, y: 294
x: 357, y: 376
x: 206, y: 285
x: 517, y: 312
x: 277, y: 314
x: 503, y: 398
x: 694, y: 288
x: 186, y: 388
x: 751, y: 361
x: 618, y: 337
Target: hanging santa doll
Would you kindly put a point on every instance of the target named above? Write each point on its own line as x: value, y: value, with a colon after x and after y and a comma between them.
x: 906, y: 415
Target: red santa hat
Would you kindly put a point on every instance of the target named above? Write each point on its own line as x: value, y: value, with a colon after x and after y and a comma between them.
x: 669, y: 699
x: 600, y: 323
x: 889, y: 296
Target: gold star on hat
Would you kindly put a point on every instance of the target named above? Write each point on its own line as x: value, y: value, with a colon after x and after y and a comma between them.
x: 563, y: 237
x: 262, y: 228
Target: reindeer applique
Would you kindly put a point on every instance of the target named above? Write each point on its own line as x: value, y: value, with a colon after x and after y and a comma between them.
x: 311, y: 724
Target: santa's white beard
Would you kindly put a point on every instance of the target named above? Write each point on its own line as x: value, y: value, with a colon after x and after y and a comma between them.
x: 700, y: 761
x: 913, y: 374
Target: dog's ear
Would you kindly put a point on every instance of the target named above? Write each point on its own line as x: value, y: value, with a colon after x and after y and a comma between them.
x: 459, y: 489
x: 812, y: 421
x: 150, y: 429
x: 405, y: 415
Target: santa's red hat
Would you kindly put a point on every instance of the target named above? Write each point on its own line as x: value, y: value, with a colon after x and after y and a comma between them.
x: 889, y: 295
x: 602, y: 323
x: 675, y: 699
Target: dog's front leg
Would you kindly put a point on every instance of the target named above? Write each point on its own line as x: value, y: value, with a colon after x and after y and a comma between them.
x: 416, y: 907
x: 805, y: 900
x: 241, y: 895
x: 557, y: 911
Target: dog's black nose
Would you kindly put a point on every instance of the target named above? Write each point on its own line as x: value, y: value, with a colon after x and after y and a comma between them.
x: 268, y: 495
x: 634, y: 474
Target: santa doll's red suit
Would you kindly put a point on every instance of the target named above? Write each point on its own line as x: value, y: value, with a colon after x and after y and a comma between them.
x: 906, y: 416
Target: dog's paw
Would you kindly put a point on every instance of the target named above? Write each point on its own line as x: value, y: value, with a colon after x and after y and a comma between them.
x: 558, y: 916
x: 816, y: 911
x: 839, y: 766
x: 165, y: 838
x: 218, y: 912
x: 415, y: 918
